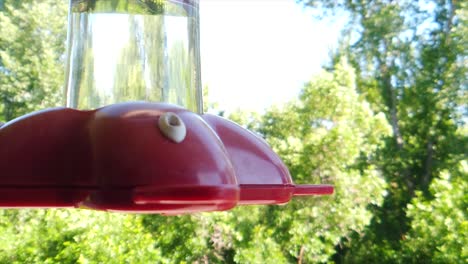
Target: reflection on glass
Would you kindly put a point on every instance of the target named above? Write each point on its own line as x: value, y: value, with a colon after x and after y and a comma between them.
x: 133, y: 50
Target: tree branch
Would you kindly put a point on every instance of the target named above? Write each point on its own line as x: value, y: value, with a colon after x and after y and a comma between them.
x: 301, y: 255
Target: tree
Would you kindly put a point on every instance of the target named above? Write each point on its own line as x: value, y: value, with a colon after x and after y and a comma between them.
x: 411, y: 63
x: 32, y: 38
x: 330, y: 135
x: 439, y: 226
x: 71, y: 236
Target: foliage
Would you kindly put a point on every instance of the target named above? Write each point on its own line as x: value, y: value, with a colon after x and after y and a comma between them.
x: 70, y: 236
x: 309, y: 135
x: 411, y: 62
x: 32, y: 38
x: 439, y: 226
x: 152, y: 7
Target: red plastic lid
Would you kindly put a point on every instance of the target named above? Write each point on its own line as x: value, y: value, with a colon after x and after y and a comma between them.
x: 139, y: 157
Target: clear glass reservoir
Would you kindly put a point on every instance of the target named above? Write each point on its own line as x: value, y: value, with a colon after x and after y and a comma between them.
x: 129, y: 50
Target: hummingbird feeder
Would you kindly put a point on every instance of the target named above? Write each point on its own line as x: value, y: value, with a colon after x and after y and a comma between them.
x: 133, y: 137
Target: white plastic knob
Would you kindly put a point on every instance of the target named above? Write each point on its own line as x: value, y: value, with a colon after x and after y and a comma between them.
x: 172, y: 127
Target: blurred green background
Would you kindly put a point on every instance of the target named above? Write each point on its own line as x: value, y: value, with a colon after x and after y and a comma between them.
x: 385, y: 122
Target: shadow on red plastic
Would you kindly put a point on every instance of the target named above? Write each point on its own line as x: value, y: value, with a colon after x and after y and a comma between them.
x: 186, y: 195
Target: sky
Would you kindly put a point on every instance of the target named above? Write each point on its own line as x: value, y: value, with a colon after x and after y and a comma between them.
x: 255, y: 53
